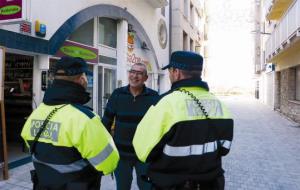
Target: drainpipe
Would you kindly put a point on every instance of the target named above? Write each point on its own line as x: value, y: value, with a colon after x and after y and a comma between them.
x: 170, y: 28
x: 257, y: 47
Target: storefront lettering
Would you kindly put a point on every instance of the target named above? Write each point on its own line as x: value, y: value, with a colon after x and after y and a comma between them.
x: 132, y: 59
x: 75, y: 51
x: 10, y: 10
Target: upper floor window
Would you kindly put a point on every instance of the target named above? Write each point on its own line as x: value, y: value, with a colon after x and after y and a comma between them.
x: 186, y: 8
x: 185, y: 41
x: 108, y: 32
x: 163, y: 11
x: 84, y: 34
x: 198, y: 20
x: 192, y: 20
x: 192, y: 45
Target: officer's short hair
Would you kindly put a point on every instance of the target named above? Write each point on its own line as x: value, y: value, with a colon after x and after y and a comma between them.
x: 196, y: 74
x: 66, y: 77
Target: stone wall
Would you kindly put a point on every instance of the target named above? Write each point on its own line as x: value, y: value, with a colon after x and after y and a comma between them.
x: 287, y: 103
x: 277, y: 91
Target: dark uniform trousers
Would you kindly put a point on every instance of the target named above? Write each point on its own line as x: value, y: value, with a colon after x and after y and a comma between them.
x: 92, y: 184
x: 217, y: 184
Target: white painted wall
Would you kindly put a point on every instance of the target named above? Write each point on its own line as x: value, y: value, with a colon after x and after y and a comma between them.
x: 122, y: 51
x: 54, y: 13
x: 182, y: 22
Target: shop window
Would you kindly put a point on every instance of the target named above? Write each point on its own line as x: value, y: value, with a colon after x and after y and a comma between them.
x: 18, y: 75
x: 84, y: 34
x: 108, y: 32
x: 90, y: 87
x: 18, y: 100
x: 298, y: 83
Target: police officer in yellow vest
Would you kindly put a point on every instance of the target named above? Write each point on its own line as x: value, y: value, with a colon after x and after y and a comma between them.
x: 185, y: 135
x: 70, y: 147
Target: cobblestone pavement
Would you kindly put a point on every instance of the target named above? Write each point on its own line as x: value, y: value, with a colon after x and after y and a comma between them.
x: 265, y: 153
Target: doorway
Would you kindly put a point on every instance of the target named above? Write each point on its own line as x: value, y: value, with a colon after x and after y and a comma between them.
x: 18, y: 104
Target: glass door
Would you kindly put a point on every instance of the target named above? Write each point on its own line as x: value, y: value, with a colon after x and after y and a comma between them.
x: 106, y: 85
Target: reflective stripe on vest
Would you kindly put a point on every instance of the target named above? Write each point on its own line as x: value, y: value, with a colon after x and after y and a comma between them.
x: 64, y: 168
x: 102, y: 155
x: 198, y: 149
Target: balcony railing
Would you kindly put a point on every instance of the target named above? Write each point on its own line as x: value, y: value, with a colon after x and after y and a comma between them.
x: 286, y: 30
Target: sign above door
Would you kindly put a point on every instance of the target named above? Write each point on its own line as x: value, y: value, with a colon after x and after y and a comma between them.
x: 75, y: 49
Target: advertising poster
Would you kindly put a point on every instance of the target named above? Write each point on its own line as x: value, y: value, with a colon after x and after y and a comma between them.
x: 12, y: 11
x: 74, y: 49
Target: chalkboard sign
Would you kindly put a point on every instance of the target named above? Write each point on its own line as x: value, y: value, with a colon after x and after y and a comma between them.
x: 3, y: 146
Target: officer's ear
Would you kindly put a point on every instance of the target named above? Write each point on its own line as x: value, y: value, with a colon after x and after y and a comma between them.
x: 82, y: 80
x: 177, y: 74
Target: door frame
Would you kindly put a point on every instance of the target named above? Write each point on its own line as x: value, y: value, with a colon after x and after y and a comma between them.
x: 97, y: 98
x: 2, y: 112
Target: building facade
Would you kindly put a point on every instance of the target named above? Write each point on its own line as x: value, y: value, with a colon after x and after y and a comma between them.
x: 110, y: 35
x: 281, y: 56
x: 187, y: 25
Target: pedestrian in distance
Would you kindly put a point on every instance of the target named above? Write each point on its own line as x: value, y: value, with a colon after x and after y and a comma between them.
x: 124, y: 110
x: 70, y: 147
x: 186, y: 134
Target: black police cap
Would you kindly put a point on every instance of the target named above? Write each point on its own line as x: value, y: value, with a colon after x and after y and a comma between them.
x: 72, y: 66
x: 185, y: 60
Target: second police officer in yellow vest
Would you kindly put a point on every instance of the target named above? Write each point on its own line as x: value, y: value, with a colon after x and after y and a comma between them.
x: 74, y: 149
x: 186, y: 134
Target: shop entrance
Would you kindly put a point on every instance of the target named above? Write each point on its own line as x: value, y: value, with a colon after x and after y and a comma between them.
x: 18, y: 104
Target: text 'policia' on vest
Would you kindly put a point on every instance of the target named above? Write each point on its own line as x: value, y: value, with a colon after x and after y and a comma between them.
x: 74, y: 149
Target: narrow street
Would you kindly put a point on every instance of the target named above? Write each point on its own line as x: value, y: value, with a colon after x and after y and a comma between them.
x: 265, y: 153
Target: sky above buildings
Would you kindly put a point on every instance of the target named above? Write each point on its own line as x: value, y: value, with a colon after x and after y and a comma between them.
x: 230, y: 64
